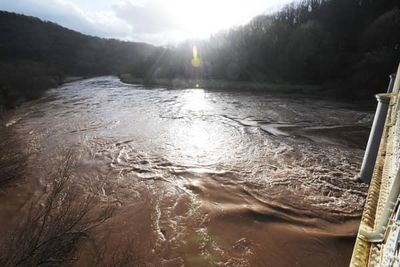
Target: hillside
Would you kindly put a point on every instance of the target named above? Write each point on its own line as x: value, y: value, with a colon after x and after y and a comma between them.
x: 36, y: 55
x: 346, y: 46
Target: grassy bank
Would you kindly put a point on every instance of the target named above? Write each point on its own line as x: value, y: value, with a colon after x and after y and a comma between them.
x: 70, y: 79
x: 223, y: 84
x: 336, y: 92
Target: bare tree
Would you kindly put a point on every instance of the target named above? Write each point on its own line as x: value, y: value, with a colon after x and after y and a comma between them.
x: 54, y: 227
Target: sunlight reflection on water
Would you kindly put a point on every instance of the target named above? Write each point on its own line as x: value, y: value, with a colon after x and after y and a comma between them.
x: 206, y: 162
x: 196, y: 138
x: 195, y: 99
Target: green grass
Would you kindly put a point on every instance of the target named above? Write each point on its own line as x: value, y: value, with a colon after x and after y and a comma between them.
x: 70, y: 79
x: 179, y: 83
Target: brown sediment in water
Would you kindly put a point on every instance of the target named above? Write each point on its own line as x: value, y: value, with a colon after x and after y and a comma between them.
x: 197, y: 178
x: 272, y: 243
x: 354, y: 136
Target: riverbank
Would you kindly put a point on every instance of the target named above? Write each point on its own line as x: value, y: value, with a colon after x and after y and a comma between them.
x: 70, y: 79
x: 13, y: 97
x: 179, y: 83
x: 330, y: 92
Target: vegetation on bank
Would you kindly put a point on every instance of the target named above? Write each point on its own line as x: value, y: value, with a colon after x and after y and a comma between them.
x: 53, y: 231
x: 181, y: 83
x: 36, y: 55
x: 346, y: 46
x: 70, y: 79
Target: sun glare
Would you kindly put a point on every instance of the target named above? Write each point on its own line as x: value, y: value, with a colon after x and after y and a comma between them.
x: 199, y: 19
x: 195, y: 100
x: 196, y: 60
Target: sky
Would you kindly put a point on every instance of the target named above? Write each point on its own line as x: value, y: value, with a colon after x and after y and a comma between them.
x: 159, y: 22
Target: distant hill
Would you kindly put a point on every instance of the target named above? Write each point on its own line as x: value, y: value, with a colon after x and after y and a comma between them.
x: 347, y: 47
x: 36, y: 55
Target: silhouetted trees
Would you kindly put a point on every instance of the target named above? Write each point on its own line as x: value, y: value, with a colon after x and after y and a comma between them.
x: 348, y: 46
x: 36, y: 55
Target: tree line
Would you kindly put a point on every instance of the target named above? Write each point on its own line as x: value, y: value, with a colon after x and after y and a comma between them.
x: 36, y: 55
x: 347, y: 46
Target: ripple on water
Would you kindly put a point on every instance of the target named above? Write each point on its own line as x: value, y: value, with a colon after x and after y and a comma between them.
x: 205, y: 177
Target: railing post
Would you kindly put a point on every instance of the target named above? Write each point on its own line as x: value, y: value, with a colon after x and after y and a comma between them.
x: 375, y: 136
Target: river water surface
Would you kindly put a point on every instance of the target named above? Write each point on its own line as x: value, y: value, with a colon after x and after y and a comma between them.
x: 202, y: 178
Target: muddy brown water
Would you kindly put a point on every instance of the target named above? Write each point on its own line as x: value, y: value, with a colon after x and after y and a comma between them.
x: 201, y: 178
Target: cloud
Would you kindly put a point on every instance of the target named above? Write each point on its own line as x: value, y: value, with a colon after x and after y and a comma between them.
x: 70, y: 15
x: 125, y: 20
x: 150, y: 18
x: 158, y: 22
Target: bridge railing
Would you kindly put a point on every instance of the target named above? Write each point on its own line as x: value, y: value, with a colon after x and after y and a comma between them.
x: 383, y: 195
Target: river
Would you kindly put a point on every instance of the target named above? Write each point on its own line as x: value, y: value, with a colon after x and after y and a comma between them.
x: 201, y: 177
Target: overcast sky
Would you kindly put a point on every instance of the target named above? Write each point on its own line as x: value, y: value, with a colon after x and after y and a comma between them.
x: 159, y: 22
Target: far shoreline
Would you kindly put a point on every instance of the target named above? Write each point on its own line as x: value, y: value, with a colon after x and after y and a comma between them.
x: 180, y: 83
x: 305, y: 90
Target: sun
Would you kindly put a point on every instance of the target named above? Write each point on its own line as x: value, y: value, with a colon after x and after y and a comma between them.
x: 201, y: 18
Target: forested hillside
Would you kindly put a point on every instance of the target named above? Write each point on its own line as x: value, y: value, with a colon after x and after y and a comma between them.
x: 347, y: 46
x: 36, y: 55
